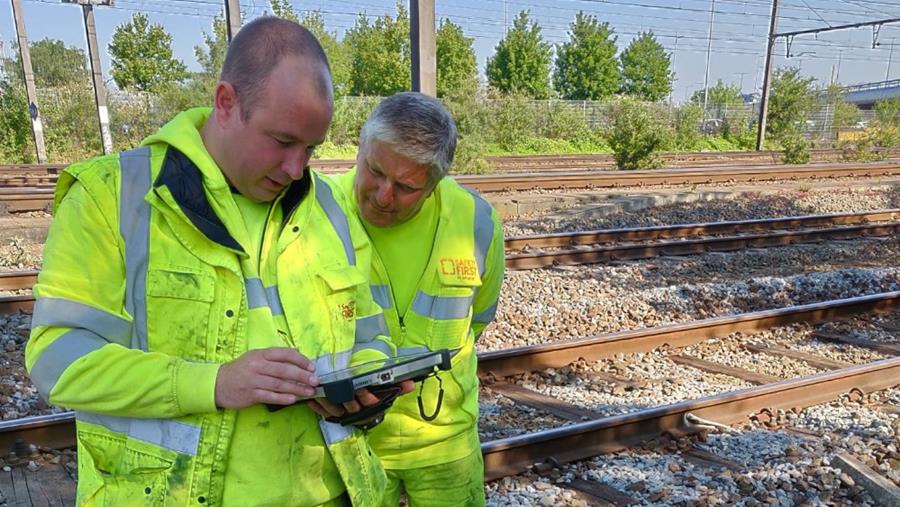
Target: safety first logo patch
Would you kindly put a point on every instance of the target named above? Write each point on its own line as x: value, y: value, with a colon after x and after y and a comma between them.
x: 463, y: 269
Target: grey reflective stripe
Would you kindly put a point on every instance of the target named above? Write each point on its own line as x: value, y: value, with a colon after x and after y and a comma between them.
x: 259, y: 296
x: 274, y: 300
x: 60, y: 312
x: 484, y: 229
x: 408, y: 351
x: 442, y: 308
x: 382, y: 296
x: 59, y: 355
x: 134, y: 225
x: 485, y: 316
x: 166, y: 433
x: 368, y: 328
x: 256, y: 294
x: 334, y: 432
x: 377, y: 345
x: 336, y: 216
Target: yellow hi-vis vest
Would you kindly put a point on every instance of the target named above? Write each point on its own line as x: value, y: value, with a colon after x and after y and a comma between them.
x: 441, y: 316
x: 142, y: 298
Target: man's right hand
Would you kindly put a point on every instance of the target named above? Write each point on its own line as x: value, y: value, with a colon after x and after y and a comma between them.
x: 275, y: 376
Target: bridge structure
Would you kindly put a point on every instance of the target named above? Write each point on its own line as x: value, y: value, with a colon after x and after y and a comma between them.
x: 866, y: 94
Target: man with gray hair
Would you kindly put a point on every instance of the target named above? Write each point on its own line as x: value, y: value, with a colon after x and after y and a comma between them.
x: 437, y: 271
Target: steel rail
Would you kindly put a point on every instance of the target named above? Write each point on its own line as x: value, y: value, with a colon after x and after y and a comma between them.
x: 513, y: 455
x: 506, y: 456
x: 35, y: 199
x: 612, y: 179
x: 564, y: 239
x: 535, y: 260
x: 503, y: 363
x: 528, y: 162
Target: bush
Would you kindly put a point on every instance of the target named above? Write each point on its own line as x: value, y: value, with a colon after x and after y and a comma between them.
x: 350, y: 114
x: 635, y: 137
x: 512, y: 119
x: 796, y: 148
x: 687, y: 123
x: 469, y: 157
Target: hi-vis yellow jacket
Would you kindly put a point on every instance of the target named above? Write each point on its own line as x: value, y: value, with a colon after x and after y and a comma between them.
x: 143, y: 296
x: 456, y: 299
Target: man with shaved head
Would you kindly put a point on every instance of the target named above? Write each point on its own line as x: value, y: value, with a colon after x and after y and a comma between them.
x: 206, y: 274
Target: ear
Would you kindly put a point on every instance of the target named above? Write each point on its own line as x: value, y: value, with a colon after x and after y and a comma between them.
x: 225, y: 102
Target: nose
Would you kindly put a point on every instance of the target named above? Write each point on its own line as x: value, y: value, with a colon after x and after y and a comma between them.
x: 384, y: 195
x: 294, y: 163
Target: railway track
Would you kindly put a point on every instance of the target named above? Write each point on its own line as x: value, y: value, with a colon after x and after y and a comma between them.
x: 538, y: 251
x: 19, y: 199
x: 45, y: 174
x: 643, y: 243
x: 586, y: 438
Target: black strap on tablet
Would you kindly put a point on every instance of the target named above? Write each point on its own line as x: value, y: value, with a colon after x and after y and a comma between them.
x: 386, y: 396
x: 437, y: 408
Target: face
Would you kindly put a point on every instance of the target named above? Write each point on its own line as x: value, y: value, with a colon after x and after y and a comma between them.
x: 268, y: 151
x: 390, y: 188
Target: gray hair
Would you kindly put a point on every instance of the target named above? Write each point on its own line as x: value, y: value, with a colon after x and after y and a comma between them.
x: 415, y: 126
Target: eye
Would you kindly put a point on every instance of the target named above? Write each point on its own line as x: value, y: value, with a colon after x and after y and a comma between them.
x: 282, y: 142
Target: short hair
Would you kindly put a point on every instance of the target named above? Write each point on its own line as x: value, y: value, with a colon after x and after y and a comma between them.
x: 417, y: 127
x: 259, y: 47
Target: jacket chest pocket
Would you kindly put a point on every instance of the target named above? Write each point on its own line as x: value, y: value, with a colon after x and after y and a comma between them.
x: 341, y: 288
x: 179, y: 303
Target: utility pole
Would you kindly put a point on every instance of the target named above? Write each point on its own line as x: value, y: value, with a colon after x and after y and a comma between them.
x: 232, y: 18
x: 37, y: 127
x: 712, y: 12
x: 423, y: 59
x: 90, y: 30
x: 767, y: 77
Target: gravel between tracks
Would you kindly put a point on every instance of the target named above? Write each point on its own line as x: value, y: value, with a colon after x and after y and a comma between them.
x: 744, y: 206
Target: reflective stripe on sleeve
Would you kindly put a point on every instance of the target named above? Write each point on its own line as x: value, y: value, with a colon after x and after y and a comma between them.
x: 166, y: 433
x: 483, y: 228
x: 58, y: 312
x: 485, y: 316
x: 59, y: 355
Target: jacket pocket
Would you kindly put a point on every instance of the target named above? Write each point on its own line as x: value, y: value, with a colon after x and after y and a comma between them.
x: 179, y: 303
x: 113, y: 473
x: 340, y: 288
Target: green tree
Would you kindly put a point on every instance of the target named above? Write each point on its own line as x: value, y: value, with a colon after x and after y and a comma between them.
x: 141, y: 56
x: 54, y: 64
x: 456, y: 67
x: 586, y: 67
x: 646, y: 69
x: 887, y: 112
x: 212, y: 56
x: 380, y: 54
x: 844, y: 114
x: 336, y: 51
x: 283, y: 9
x: 793, y: 98
x: 521, y: 61
x: 719, y: 95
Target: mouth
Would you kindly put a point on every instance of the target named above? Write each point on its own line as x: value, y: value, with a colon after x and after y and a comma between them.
x: 275, y: 184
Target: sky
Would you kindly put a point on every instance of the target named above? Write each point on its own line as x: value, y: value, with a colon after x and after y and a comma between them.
x: 737, y: 40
